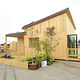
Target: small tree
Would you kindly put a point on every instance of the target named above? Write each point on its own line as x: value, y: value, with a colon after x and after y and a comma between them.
x: 50, y: 34
x: 46, y: 46
x: 47, y: 43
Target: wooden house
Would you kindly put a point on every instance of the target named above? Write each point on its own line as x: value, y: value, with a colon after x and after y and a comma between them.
x: 64, y: 29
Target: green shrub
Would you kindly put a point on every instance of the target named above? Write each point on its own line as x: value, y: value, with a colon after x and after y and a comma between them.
x: 29, y: 58
x: 21, y: 59
x: 43, y: 57
x: 13, y: 58
x: 38, y: 59
x: 50, y: 62
x: 48, y: 58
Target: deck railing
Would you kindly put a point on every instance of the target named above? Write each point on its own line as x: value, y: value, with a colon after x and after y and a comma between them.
x: 17, y: 52
x: 74, y: 52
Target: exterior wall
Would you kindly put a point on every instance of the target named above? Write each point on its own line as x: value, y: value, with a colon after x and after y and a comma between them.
x: 59, y: 22
x: 70, y: 30
x: 13, y: 45
x: 20, y: 45
x: 60, y: 29
x: 26, y: 44
x: 36, y: 30
x: 70, y: 27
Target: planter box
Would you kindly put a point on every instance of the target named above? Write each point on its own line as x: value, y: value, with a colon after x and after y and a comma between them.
x: 14, y: 63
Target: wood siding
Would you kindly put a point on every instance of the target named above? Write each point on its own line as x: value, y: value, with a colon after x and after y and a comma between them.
x: 20, y: 45
x: 70, y: 28
x: 59, y: 22
x: 13, y: 45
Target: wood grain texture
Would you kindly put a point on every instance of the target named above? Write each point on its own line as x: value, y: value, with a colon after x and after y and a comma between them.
x: 63, y: 26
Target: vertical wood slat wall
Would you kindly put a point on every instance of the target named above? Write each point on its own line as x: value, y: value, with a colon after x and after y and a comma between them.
x: 62, y: 25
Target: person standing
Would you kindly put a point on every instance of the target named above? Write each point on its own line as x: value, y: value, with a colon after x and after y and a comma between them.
x: 5, y: 47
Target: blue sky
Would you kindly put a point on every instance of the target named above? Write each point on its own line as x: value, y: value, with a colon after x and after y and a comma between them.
x: 14, y: 14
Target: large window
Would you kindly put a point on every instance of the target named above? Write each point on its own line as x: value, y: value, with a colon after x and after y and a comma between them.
x: 33, y: 42
x: 72, y: 41
x: 72, y: 45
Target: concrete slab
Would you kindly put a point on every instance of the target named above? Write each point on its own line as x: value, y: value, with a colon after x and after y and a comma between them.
x: 60, y: 70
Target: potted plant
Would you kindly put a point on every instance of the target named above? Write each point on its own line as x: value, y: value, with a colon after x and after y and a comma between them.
x: 48, y: 58
x: 46, y: 48
x: 44, y: 60
x: 38, y: 61
x: 32, y: 65
x: 29, y: 59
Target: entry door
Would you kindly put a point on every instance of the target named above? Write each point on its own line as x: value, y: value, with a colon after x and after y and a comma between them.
x: 72, y: 44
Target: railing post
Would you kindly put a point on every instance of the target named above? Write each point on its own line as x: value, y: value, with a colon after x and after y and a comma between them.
x: 67, y: 53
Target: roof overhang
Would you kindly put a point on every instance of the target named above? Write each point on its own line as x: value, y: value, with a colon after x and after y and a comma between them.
x: 70, y: 17
x: 17, y: 34
x: 51, y: 16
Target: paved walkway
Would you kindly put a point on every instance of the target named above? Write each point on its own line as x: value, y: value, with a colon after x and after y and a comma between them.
x: 61, y: 70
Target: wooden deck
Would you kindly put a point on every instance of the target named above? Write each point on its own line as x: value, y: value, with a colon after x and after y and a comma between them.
x: 74, y: 59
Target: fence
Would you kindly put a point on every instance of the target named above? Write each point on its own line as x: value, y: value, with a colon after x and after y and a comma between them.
x: 16, y: 52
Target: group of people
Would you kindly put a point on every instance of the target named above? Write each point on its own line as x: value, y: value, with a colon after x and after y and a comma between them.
x: 3, y: 48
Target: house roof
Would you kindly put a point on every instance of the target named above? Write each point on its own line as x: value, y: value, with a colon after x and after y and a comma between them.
x: 48, y: 17
x: 17, y: 34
